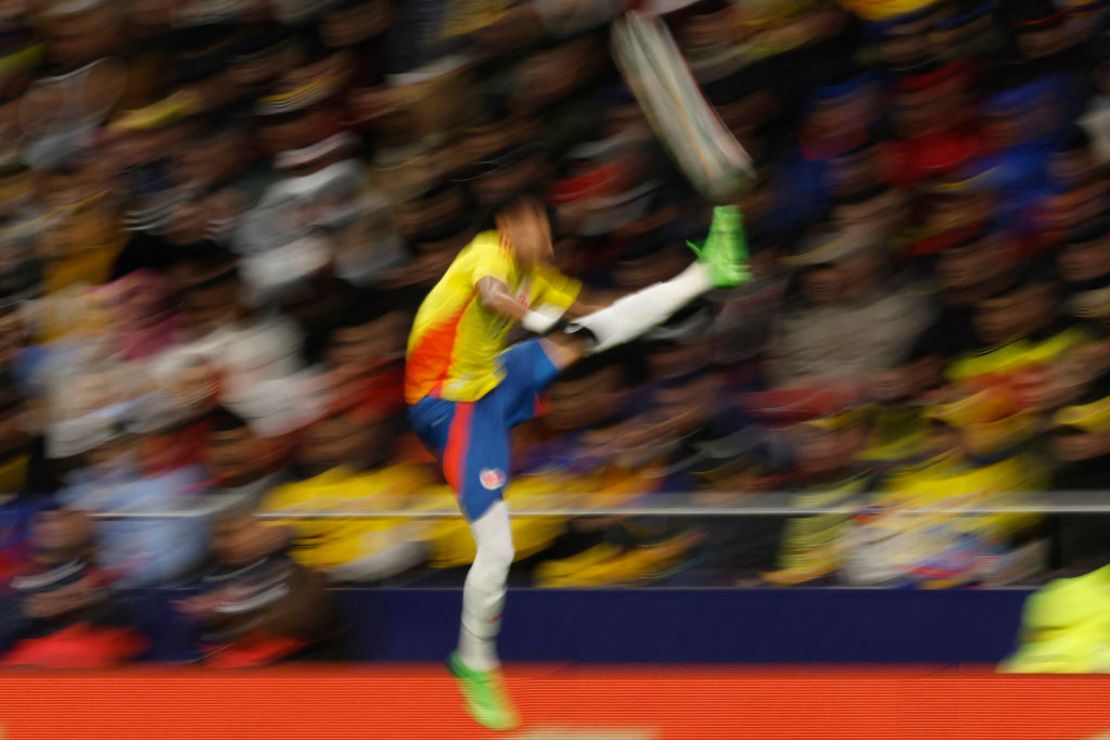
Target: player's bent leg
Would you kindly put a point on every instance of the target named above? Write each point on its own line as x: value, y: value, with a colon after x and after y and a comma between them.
x: 631, y: 316
x: 530, y: 367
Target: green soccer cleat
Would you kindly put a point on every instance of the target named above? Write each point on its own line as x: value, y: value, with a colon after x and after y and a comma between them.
x: 485, y: 696
x: 725, y: 251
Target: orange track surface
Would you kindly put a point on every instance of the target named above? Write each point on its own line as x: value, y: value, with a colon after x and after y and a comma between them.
x: 567, y: 703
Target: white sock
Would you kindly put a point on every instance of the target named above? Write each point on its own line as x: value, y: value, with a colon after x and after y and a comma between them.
x: 634, y: 314
x: 484, y: 591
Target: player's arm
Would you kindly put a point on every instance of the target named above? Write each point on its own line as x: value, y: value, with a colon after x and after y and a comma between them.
x: 568, y: 298
x: 495, y: 296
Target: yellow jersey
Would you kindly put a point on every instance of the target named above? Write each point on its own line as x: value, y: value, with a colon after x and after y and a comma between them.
x: 455, y: 340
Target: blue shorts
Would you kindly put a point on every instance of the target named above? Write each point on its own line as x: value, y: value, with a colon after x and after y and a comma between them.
x: 471, y: 438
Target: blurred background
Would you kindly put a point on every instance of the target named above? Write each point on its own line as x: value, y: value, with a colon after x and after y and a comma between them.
x: 217, y: 218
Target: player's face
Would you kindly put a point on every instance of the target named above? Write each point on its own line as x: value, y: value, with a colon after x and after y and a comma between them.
x: 529, y: 232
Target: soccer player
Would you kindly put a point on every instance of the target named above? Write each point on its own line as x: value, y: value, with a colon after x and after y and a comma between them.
x: 466, y: 391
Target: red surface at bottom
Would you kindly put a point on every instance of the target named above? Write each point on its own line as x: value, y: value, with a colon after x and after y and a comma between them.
x: 567, y: 703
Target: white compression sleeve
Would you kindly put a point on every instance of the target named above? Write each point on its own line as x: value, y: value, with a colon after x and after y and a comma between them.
x: 635, y: 314
x: 542, y: 319
x: 484, y: 591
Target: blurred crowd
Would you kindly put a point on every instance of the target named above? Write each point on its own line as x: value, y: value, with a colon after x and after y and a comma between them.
x: 219, y: 216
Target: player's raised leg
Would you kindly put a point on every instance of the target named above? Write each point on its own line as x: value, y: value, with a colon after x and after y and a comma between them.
x: 722, y: 263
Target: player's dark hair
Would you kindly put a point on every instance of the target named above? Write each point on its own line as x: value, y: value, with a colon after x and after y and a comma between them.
x: 521, y: 204
x: 515, y: 204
